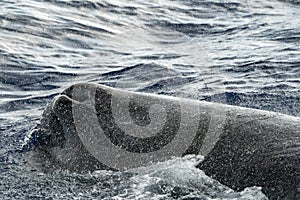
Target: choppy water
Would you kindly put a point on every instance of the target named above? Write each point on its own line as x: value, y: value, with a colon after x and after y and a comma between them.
x: 244, y: 53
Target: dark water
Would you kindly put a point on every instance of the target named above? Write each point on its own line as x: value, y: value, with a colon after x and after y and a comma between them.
x: 244, y: 53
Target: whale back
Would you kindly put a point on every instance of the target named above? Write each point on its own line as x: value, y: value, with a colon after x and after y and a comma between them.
x: 89, y: 127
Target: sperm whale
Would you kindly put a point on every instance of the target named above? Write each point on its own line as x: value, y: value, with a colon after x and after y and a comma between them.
x: 90, y: 127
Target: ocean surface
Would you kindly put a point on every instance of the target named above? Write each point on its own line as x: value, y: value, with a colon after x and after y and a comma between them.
x: 244, y: 53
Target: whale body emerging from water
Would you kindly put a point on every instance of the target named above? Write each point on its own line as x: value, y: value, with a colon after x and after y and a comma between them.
x: 90, y: 127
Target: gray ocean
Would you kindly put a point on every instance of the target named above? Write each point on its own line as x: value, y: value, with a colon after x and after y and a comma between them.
x: 244, y: 53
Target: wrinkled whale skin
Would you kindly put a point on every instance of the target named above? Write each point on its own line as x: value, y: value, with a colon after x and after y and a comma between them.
x: 256, y: 148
